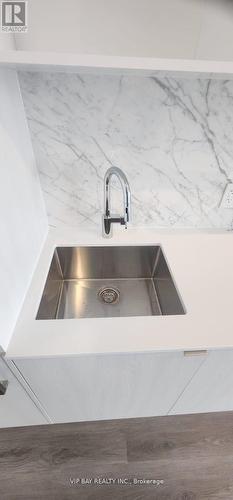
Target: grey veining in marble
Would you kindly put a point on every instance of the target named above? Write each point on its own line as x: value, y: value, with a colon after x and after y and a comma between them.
x: 173, y: 138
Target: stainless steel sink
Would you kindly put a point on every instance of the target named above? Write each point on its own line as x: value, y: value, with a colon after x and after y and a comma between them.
x: 110, y: 281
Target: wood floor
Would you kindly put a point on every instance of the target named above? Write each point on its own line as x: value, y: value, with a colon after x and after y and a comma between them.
x: 190, y: 456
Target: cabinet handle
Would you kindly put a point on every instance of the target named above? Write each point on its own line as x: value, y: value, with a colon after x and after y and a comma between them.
x: 195, y: 353
x: 3, y: 387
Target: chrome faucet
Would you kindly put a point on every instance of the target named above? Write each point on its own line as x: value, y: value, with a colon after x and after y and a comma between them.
x: 108, y: 220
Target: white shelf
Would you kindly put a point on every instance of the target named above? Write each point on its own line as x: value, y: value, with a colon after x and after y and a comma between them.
x: 145, y: 66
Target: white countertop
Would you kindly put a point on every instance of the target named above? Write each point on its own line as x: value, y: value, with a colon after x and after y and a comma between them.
x: 202, y: 267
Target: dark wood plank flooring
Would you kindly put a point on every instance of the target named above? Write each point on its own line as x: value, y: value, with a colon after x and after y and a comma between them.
x: 191, y: 454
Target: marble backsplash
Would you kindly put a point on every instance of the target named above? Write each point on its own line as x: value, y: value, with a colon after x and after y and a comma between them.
x: 173, y: 139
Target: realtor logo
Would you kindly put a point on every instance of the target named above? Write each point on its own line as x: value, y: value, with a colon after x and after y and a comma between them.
x: 14, y: 16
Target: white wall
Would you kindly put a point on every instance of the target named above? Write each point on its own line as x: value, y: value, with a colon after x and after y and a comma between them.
x: 23, y: 221
x: 7, y: 41
x: 216, y: 34
x: 162, y: 28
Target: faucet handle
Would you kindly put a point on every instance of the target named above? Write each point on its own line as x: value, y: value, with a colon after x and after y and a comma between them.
x: 122, y: 220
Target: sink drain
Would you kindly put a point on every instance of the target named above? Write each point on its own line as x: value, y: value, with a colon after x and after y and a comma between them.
x: 109, y: 295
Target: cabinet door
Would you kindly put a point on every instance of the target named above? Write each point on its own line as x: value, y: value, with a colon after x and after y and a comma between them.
x: 16, y: 407
x: 211, y: 389
x: 108, y: 386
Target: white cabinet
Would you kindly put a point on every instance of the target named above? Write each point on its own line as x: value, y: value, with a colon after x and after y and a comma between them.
x: 108, y: 386
x: 16, y: 406
x: 212, y: 387
x: 131, y: 385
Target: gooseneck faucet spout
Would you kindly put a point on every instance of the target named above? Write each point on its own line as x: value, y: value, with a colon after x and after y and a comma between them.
x: 108, y: 220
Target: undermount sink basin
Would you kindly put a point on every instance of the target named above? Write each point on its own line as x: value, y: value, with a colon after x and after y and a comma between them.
x: 110, y: 281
